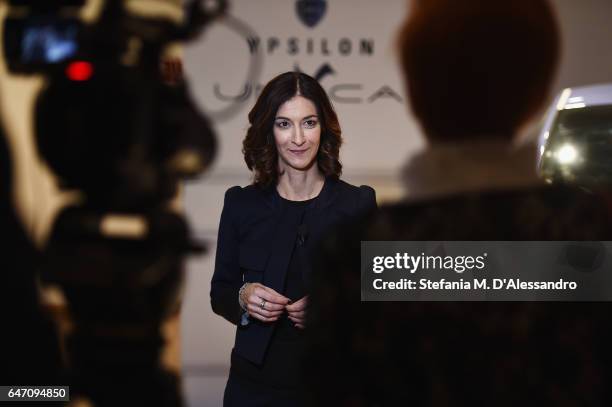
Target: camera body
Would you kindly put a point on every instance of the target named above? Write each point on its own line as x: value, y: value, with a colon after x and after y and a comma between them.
x: 132, y: 136
x: 109, y: 126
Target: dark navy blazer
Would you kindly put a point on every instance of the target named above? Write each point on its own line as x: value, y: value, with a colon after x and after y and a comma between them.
x: 255, y: 245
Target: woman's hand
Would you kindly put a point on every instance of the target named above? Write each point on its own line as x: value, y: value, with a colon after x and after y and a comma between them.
x: 263, y: 302
x: 297, y: 312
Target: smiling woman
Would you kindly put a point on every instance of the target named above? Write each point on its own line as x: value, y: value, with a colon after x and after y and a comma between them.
x: 291, y: 93
x: 269, y: 232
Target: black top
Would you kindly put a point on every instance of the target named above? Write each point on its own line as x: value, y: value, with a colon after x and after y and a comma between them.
x: 257, y: 235
x: 281, y: 366
x: 294, y: 284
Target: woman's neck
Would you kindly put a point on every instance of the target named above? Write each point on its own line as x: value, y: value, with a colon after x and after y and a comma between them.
x: 296, y: 185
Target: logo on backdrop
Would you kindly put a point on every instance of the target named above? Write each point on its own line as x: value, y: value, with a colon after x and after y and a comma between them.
x: 322, y: 72
x: 310, y: 12
x: 300, y: 49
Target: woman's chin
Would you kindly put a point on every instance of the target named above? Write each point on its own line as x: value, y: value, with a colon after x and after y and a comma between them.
x: 299, y: 165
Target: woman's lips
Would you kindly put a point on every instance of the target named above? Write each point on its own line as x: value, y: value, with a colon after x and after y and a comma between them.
x: 298, y: 152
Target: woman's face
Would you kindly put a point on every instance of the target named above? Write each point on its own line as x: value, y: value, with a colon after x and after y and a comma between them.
x: 297, y: 133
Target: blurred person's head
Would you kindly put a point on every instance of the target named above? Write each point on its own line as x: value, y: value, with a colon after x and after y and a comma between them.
x: 478, y: 68
x: 293, y: 124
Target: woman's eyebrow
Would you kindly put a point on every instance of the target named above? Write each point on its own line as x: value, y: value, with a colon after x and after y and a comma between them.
x: 286, y: 118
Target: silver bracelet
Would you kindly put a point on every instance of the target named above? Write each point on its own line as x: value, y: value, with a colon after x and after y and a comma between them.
x: 240, y: 301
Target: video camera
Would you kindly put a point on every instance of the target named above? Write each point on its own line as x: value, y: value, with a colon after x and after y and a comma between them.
x: 103, y: 86
x: 111, y: 127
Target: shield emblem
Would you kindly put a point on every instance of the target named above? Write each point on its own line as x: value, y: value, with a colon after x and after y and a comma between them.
x: 310, y: 12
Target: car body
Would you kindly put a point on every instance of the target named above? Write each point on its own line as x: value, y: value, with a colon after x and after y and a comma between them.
x: 575, y: 144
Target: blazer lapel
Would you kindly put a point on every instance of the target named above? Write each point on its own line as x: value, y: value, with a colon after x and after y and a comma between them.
x: 281, y: 246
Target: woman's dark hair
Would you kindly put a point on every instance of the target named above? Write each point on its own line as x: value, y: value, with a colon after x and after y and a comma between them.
x: 259, y: 146
x: 478, y: 67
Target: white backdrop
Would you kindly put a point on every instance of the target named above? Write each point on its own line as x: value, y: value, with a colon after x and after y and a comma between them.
x: 379, y: 132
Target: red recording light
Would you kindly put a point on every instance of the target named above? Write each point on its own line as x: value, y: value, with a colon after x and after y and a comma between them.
x: 79, y: 71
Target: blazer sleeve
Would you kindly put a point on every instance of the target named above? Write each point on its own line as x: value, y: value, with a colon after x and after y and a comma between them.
x: 367, y: 200
x: 227, y: 277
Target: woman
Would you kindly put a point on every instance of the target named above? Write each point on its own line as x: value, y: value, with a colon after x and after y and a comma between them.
x: 268, y: 231
x: 471, y: 91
